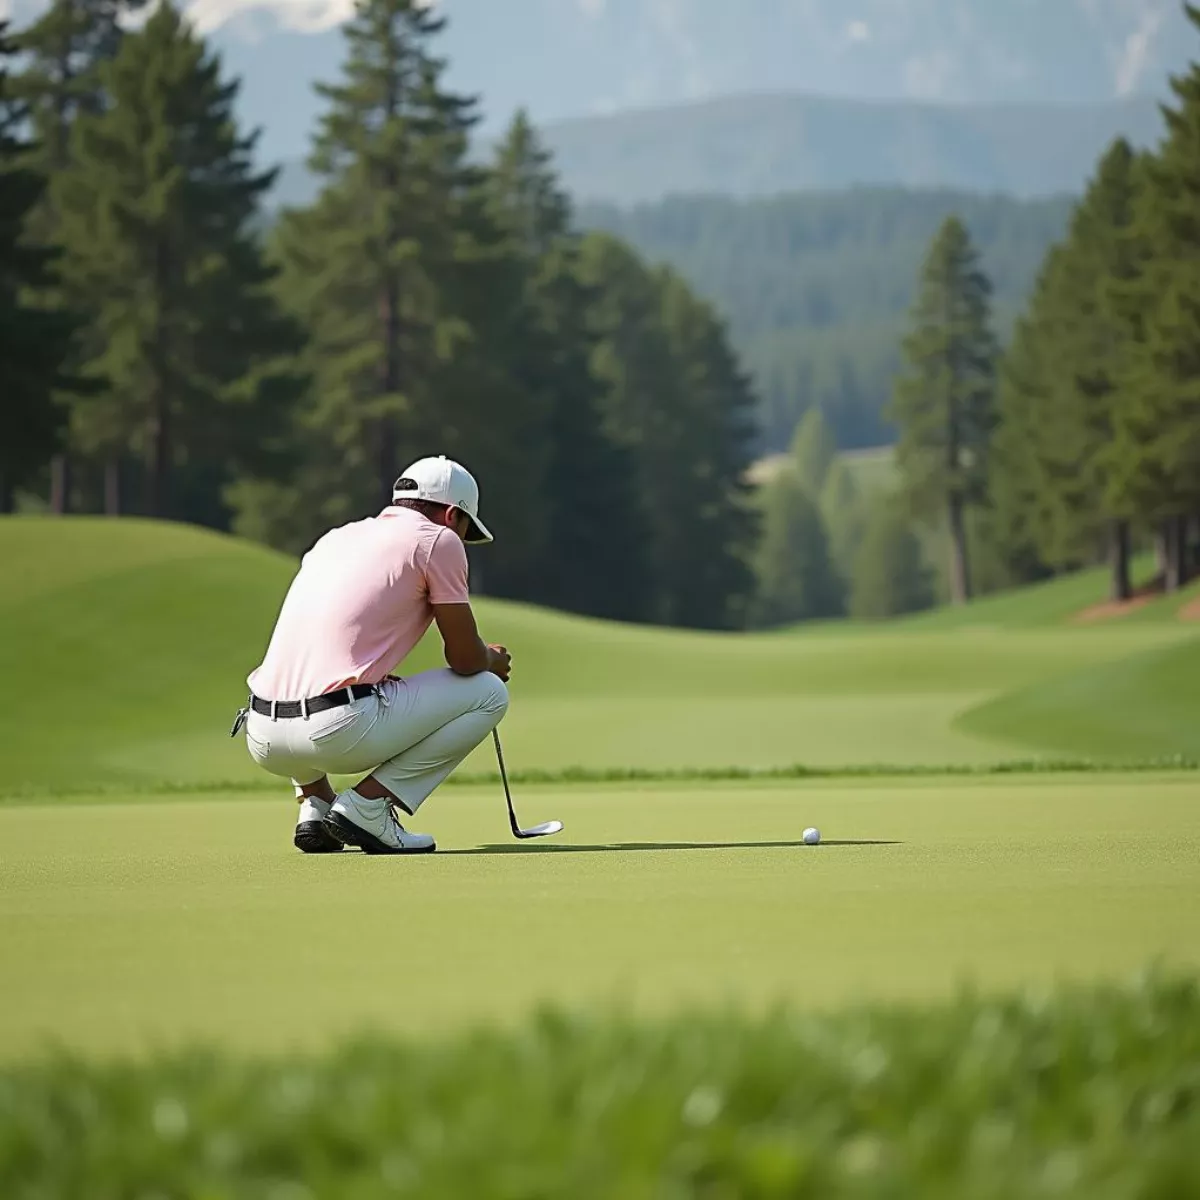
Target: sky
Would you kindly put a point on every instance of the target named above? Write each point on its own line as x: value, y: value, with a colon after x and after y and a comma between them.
x: 564, y: 58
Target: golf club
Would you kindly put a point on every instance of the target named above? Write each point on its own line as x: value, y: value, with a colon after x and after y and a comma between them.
x: 545, y: 828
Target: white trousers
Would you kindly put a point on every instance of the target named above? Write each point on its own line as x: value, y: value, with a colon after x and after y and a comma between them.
x: 410, y: 734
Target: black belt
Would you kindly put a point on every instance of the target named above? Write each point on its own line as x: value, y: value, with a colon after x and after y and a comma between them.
x: 298, y: 708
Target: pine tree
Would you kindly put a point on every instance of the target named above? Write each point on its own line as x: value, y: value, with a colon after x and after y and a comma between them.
x: 648, y: 407
x: 890, y: 577
x: 813, y: 450
x: 797, y: 579
x: 1154, y: 454
x: 62, y: 53
x: 34, y: 340
x: 157, y: 208
x: 590, y: 559
x: 703, y: 505
x: 1051, y: 464
x: 943, y: 404
x: 375, y: 267
x: 844, y: 512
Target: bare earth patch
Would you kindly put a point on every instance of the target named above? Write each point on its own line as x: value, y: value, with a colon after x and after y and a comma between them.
x: 1191, y: 610
x: 1113, y: 608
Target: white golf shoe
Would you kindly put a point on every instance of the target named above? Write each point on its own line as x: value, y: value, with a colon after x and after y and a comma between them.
x: 372, y: 826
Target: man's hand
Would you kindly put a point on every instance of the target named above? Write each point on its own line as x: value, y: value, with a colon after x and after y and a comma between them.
x: 499, y: 662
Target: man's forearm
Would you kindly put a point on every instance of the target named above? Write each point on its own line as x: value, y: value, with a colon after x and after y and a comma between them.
x: 473, y: 661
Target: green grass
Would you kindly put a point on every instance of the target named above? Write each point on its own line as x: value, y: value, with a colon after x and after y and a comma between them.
x: 138, y: 637
x: 140, y: 918
x: 1089, y: 1093
x: 1112, y: 708
x: 126, y: 927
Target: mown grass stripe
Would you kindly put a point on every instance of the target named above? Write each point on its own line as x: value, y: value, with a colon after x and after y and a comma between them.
x: 648, y: 775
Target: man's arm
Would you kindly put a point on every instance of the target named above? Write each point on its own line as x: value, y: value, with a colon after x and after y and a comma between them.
x: 466, y: 652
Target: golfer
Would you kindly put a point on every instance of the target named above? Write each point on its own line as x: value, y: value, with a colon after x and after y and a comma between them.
x: 324, y: 699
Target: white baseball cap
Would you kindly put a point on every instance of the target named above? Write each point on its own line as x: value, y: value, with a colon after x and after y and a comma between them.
x: 444, y: 481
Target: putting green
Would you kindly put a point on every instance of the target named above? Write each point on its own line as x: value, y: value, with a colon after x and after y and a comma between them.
x: 127, y: 926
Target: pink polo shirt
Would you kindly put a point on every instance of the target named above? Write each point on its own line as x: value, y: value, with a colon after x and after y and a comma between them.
x: 360, y: 602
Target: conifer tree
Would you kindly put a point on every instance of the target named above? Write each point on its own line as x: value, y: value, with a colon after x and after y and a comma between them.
x: 1154, y: 454
x: 676, y: 395
x: 1062, y: 382
x: 813, y: 450
x: 62, y: 52
x: 157, y: 208
x: 796, y: 577
x: 890, y: 577
x: 590, y: 557
x: 843, y: 509
x: 943, y: 404
x: 374, y: 268
x: 34, y: 339
x: 705, y: 495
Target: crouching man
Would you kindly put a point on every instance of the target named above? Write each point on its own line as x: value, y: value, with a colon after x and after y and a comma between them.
x: 324, y: 700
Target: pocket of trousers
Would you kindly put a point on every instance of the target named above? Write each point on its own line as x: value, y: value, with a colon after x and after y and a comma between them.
x: 259, y: 750
x: 344, y: 728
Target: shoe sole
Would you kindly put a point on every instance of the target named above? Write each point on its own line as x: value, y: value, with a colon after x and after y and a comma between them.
x: 349, y: 834
x: 313, y: 838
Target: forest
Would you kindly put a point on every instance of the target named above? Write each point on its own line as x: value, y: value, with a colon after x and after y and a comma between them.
x: 171, y: 348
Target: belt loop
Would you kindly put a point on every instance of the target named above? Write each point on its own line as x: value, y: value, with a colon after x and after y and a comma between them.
x: 304, y: 708
x: 274, y: 709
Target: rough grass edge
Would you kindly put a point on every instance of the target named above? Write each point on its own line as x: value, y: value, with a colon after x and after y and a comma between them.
x: 561, y: 776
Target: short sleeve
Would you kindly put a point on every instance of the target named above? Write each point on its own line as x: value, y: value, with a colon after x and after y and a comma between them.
x: 446, y: 571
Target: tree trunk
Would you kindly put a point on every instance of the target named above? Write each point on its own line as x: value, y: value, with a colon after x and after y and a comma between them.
x: 1118, y: 559
x: 60, y: 484
x: 388, y: 468
x: 156, y: 459
x: 1182, y: 550
x: 960, y: 576
x: 1176, y: 573
x: 158, y: 442
x: 112, y: 488
x: 1162, y: 552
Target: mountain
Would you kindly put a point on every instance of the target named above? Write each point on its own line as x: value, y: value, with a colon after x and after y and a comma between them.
x: 570, y: 58
x: 766, y: 144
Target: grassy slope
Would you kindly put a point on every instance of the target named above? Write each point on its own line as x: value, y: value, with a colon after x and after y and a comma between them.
x: 154, y: 627
x: 1132, y: 706
x: 134, y: 925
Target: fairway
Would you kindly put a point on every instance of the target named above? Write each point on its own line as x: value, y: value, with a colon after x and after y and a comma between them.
x: 165, y: 621
x: 128, y: 926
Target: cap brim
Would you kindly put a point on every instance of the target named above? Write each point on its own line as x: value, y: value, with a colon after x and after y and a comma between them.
x: 478, y: 534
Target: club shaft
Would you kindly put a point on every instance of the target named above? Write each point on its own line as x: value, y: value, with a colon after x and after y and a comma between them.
x: 512, y: 816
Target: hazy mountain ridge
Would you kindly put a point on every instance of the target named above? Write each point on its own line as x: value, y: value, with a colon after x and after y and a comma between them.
x: 763, y: 145
x: 566, y: 58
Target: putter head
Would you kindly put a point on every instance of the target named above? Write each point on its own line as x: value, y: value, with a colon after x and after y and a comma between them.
x: 543, y: 830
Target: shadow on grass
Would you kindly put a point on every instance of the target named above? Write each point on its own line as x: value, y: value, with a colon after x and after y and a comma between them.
x: 551, y: 848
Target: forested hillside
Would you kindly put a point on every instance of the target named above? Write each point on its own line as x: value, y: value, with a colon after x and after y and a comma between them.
x: 816, y: 287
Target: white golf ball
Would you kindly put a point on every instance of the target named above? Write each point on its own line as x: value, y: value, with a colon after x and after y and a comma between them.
x: 811, y: 836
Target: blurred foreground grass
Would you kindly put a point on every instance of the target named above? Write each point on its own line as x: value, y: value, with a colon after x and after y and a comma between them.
x: 1089, y: 1092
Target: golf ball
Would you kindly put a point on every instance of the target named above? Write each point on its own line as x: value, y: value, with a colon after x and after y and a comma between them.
x: 811, y: 836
